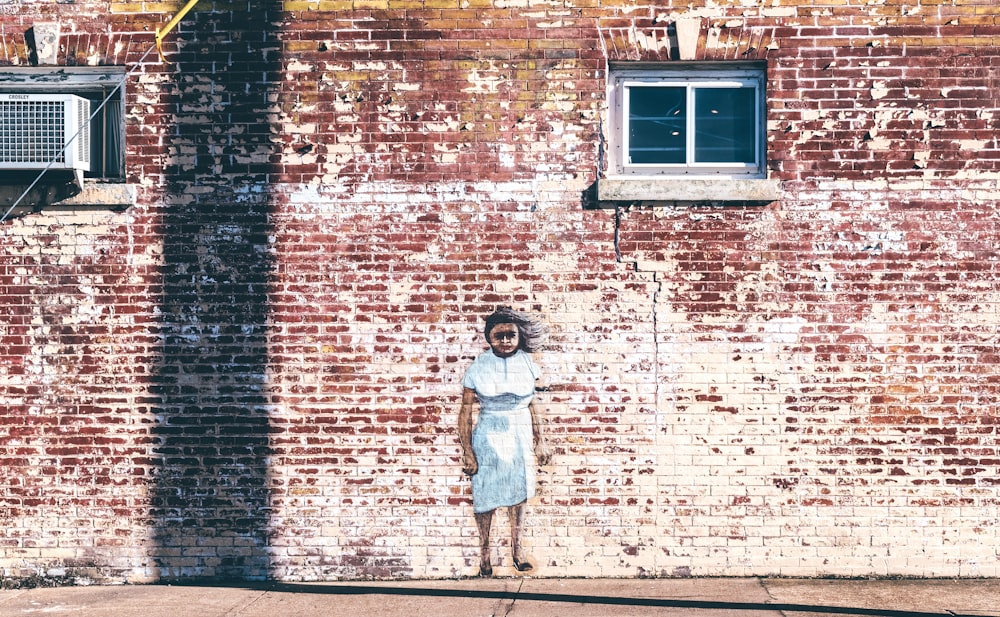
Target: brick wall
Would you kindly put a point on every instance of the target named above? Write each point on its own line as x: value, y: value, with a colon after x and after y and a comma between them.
x: 254, y: 371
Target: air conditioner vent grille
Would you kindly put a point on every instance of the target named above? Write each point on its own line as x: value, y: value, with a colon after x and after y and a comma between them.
x: 35, y: 129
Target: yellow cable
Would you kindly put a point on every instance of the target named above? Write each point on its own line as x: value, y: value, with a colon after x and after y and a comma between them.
x: 171, y: 25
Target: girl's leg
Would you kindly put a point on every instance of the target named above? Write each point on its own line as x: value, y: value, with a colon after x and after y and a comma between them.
x: 484, y: 520
x: 516, y: 519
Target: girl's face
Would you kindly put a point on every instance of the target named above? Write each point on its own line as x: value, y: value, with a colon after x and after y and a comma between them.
x: 504, y: 339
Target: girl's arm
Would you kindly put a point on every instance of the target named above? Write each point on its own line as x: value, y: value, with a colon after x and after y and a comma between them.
x: 542, y: 453
x: 469, y: 463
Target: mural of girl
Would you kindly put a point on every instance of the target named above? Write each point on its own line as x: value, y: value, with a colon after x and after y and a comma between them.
x: 505, y: 443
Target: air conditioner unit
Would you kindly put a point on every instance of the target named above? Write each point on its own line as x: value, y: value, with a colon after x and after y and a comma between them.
x: 45, y: 131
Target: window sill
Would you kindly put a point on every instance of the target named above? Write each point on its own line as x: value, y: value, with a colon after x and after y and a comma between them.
x: 102, y: 195
x: 652, y: 188
x: 95, y: 195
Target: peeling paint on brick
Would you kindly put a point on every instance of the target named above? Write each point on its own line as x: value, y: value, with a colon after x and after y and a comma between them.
x: 254, y: 371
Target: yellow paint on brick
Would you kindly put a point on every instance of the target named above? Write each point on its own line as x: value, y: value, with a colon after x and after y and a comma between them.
x: 128, y: 7
x: 406, y: 4
x: 352, y: 76
x: 371, y: 4
x: 162, y: 7
x: 293, y: 46
x: 172, y: 7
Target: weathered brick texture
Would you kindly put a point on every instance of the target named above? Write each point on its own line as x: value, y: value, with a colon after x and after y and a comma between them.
x: 254, y: 371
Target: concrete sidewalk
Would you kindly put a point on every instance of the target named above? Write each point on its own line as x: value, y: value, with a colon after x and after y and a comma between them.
x: 521, y: 597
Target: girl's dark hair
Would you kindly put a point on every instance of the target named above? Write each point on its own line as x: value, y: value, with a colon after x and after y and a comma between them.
x: 531, y: 331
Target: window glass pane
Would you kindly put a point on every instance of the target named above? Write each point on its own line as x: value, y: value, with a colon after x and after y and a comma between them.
x: 725, y: 125
x: 656, y: 125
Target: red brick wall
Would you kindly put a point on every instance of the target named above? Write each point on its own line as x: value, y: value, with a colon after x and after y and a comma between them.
x: 254, y: 371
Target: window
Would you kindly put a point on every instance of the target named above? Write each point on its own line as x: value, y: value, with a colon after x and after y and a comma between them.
x: 104, y: 185
x: 100, y: 86
x: 695, y: 120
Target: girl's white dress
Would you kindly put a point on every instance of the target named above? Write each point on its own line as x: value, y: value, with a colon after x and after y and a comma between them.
x: 502, y: 438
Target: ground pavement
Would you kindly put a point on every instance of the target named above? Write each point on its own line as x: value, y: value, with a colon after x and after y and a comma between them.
x: 520, y: 597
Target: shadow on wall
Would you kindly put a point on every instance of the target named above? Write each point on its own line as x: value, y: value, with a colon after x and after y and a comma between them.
x: 210, y: 501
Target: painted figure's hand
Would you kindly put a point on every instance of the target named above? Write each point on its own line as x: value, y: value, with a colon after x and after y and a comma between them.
x: 469, y: 464
x: 543, y: 454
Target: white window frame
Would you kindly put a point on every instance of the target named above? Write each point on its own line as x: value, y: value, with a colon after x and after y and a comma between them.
x: 625, y: 76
